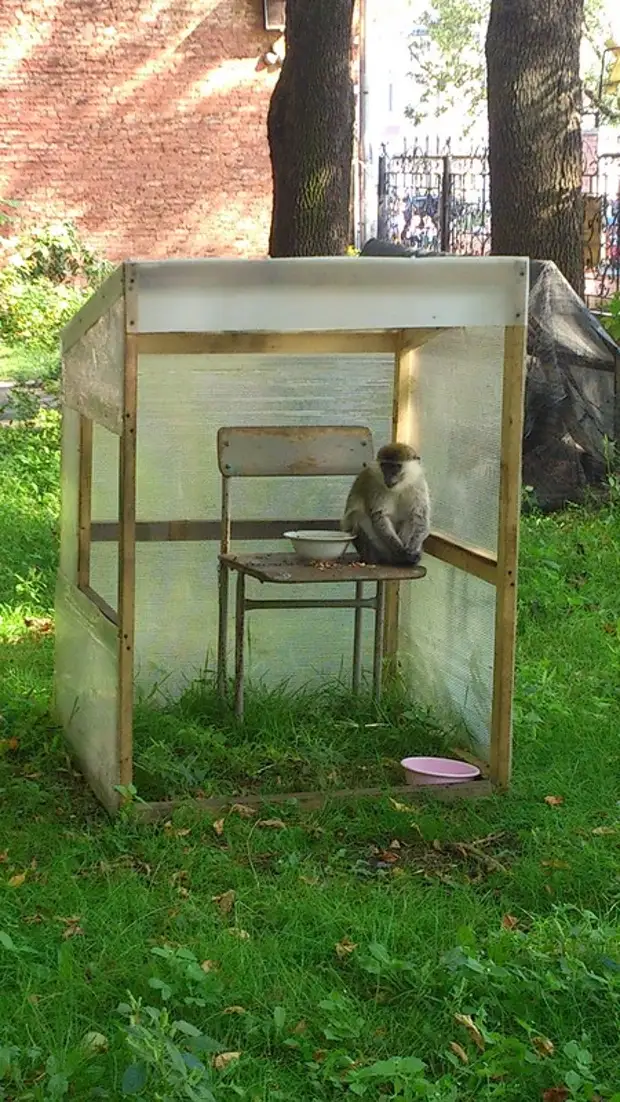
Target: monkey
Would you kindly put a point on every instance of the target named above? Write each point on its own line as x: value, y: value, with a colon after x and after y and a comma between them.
x: 388, y: 508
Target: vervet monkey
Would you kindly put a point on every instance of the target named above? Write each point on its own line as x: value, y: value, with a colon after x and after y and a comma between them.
x: 388, y: 508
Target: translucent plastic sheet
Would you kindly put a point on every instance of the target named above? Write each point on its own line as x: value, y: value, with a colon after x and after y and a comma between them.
x: 459, y: 396
x: 93, y: 370
x: 447, y: 633
x: 86, y: 687
x: 182, y: 402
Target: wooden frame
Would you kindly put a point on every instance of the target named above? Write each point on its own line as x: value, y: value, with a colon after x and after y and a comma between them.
x: 499, y: 571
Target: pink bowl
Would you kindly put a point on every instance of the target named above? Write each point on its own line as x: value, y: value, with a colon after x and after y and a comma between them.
x: 438, y: 771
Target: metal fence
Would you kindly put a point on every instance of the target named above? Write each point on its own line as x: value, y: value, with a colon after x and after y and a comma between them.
x: 439, y: 202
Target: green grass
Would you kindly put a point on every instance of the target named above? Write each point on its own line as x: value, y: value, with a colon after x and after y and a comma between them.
x: 337, y: 966
x: 28, y: 363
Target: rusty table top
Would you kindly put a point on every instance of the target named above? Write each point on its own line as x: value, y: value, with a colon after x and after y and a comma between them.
x: 285, y: 568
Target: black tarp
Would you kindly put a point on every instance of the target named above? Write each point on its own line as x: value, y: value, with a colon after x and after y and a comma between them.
x: 570, y: 386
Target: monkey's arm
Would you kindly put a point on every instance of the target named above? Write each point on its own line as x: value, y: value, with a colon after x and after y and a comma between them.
x: 386, y: 537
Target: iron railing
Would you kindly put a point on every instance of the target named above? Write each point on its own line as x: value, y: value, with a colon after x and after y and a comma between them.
x: 439, y: 202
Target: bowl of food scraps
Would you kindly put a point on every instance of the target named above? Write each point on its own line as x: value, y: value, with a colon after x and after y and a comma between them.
x: 319, y: 546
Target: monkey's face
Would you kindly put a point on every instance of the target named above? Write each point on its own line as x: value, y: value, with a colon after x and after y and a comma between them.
x: 392, y: 472
x: 397, y: 462
x: 399, y: 472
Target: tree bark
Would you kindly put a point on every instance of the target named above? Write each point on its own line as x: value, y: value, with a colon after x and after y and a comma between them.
x: 534, y: 102
x: 310, y: 129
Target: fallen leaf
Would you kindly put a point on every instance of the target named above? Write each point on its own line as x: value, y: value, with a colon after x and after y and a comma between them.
x: 32, y: 920
x: 312, y: 881
x: 395, y: 844
x: 460, y: 1052
x: 218, y: 827
x: 556, y: 1094
x: 225, y: 901
x: 40, y: 624
x: 9, y: 743
x: 234, y: 1010
x: 319, y: 1055
x: 345, y: 947
x: 275, y: 824
x: 224, y: 1059
x: 554, y: 801
x: 552, y: 863
x: 4, y: 856
x: 210, y: 966
x: 176, y: 832
x: 509, y: 922
x: 604, y: 830
x: 243, y: 811
x: 301, y: 1026
x: 17, y: 880
x: 543, y: 1046
x: 611, y: 629
x: 472, y: 1029
x: 386, y: 856
x: 235, y: 931
x: 401, y: 807
x: 95, y: 1042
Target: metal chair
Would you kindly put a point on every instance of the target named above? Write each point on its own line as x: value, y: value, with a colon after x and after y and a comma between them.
x: 295, y: 452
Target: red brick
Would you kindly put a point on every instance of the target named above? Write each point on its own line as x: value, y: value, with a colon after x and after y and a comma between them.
x: 146, y: 121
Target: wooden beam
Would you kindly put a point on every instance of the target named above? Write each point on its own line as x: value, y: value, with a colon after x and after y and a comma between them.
x: 100, y: 603
x: 617, y: 403
x: 410, y: 339
x: 405, y: 430
x: 508, y: 553
x: 253, y: 344
x: 449, y: 793
x: 98, y: 304
x: 127, y: 562
x: 84, y: 501
x: 473, y: 560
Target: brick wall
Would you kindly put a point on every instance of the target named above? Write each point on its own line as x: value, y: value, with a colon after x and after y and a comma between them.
x: 143, y: 120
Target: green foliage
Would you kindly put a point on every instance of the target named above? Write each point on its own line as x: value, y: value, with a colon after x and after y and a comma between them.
x: 449, y: 67
x: 33, y: 311
x: 611, y: 318
x: 49, y: 273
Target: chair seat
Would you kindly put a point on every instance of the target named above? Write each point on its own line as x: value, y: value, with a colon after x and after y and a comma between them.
x: 285, y: 568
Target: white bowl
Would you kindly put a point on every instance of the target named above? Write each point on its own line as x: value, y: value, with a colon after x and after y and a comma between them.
x: 322, y: 546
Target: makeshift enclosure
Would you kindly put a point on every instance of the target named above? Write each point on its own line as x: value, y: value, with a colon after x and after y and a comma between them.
x: 166, y: 353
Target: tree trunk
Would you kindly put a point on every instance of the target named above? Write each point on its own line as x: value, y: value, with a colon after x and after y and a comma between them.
x: 534, y: 98
x: 310, y: 128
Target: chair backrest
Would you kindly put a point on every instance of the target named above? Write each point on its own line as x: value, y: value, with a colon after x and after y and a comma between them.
x: 293, y: 451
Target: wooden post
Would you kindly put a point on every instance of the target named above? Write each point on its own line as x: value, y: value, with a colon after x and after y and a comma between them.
x: 507, y: 553
x: 127, y: 561
x: 616, y: 407
x: 405, y: 430
x: 84, y: 501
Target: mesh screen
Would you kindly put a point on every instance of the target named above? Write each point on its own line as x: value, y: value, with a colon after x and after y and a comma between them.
x: 459, y: 395
x: 104, y: 556
x: 182, y: 402
x: 93, y: 370
x: 447, y: 639
x: 86, y: 687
